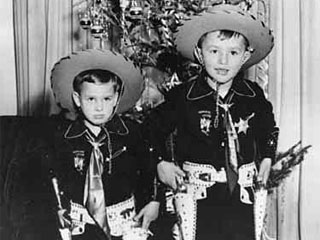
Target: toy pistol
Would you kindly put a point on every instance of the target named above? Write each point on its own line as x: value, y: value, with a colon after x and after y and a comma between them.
x: 78, y: 214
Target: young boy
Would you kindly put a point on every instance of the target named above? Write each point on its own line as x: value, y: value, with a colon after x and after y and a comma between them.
x: 225, y: 127
x: 100, y: 167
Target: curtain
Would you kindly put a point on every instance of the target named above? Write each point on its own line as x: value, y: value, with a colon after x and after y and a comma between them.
x: 45, y: 31
x: 310, y: 118
x: 8, y: 96
x: 42, y: 36
x: 293, y: 88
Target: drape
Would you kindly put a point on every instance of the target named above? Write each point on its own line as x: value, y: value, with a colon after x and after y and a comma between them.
x: 45, y: 31
x: 8, y: 96
x: 310, y: 118
x: 42, y: 36
x: 293, y: 88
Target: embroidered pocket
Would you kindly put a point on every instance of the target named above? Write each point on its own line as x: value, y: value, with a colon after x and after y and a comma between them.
x: 110, y: 164
x: 119, y: 152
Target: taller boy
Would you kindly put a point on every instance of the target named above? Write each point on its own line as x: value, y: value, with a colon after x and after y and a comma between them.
x: 225, y: 125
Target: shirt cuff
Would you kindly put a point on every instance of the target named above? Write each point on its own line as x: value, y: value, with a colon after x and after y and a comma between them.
x: 271, y: 145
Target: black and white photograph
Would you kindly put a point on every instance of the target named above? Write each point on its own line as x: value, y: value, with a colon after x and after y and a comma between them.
x: 159, y: 119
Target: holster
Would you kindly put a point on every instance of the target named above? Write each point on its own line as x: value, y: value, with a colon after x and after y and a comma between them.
x: 194, y: 187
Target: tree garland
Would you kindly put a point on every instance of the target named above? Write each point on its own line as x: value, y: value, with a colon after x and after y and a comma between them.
x: 285, y: 162
x: 146, y: 27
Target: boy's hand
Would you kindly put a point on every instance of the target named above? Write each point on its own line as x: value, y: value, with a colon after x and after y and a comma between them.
x: 64, y: 220
x: 149, y: 213
x: 168, y: 173
x: 264, y: 171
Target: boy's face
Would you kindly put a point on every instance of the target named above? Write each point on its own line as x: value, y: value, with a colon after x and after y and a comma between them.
x: 223, y: 58
x: 97, y: 102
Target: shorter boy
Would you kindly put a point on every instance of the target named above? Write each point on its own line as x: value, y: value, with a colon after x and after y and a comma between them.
x: 102, y: 173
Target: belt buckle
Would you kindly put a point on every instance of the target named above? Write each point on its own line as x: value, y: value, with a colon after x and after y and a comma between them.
x: 199, y: 174
x: 206, y: 177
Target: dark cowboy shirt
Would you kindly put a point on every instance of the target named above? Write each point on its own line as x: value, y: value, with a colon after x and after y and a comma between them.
x: 63, y: 148
x: 191, y: 109
x: 128, y: 168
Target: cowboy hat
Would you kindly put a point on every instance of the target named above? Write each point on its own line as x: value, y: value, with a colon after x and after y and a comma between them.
x: 65, y: 70
x: 225, y: 17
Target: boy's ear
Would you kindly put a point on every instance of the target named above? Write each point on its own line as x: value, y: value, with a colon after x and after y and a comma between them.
x: 116, y: 99
x: 198, y: 55
x: 246, y: 56
x: 76, y: 98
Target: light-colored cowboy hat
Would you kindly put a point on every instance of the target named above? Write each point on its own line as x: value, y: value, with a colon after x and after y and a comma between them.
x: 225, y: 17
x: 67, y: 68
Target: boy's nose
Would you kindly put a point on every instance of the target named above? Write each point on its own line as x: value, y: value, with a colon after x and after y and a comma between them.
x: 99, y: 106
x: 223, y: 58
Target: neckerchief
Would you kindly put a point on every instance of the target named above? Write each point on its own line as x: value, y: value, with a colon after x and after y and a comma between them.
x: 232, y: 146
x: 94, y: 197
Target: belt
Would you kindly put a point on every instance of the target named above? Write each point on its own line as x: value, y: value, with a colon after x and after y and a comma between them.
x: 203, y: 174
x: 120, y: 217
x: 198, y: 178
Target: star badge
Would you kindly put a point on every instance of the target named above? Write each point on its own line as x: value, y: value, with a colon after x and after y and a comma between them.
x: 243, y: 125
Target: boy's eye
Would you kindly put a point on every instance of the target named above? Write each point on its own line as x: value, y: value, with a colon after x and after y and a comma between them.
x: 90, y: 99
x: 234, y: 53
x: 213, y: 51
x: 107, y: 99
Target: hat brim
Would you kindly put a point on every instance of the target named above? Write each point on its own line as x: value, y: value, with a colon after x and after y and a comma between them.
x: 64, y: 72
x: 225, y: 17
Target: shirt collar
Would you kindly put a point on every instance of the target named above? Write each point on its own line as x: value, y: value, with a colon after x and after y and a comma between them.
x: 115, y: 125
x: 242, y: 88
x: 200, y: 88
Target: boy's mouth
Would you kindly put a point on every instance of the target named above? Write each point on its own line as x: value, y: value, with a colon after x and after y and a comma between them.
x: 222, y: 71
x: 99, y: 116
